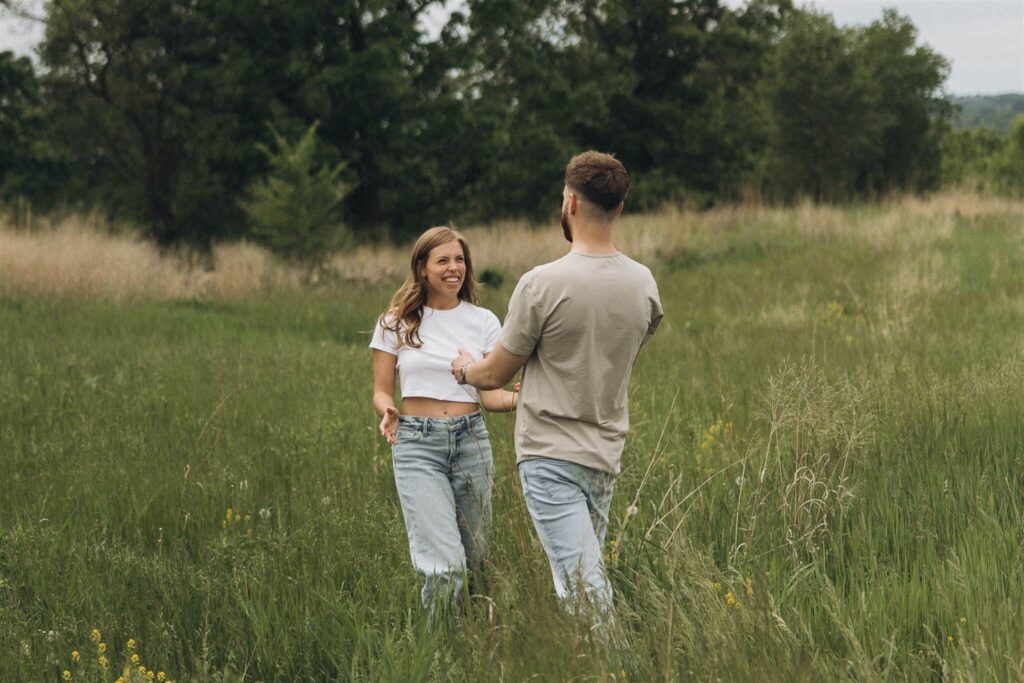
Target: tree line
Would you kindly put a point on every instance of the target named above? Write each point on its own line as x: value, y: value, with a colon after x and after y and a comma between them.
x: 167, y: 112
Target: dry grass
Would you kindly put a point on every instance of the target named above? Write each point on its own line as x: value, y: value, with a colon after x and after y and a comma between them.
x: 79, y: 256
x: 76, y: 256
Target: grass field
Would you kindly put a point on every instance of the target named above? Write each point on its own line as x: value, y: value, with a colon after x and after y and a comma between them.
x: 826, y: 461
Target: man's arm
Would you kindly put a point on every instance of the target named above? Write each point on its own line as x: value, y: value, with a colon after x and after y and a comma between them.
x: 493, y: 372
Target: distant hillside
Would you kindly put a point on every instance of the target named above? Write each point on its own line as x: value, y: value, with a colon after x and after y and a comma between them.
x: 989, y: 111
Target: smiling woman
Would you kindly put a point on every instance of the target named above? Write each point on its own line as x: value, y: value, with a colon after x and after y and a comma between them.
x: 440, y: 446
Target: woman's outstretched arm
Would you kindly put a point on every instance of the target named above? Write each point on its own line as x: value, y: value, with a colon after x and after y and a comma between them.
x: 384, y: 371
x: 500, y: 400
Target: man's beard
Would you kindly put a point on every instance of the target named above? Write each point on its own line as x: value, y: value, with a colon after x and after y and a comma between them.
x: 566, y: 230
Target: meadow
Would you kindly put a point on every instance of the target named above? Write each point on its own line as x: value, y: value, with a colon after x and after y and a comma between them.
x: 824, y: 478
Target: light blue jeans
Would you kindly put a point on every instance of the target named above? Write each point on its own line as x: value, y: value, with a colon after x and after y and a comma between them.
x: 569, y: 505
x: 444, y: 472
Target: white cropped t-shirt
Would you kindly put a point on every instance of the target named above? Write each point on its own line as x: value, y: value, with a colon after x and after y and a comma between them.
x: 427, y: 371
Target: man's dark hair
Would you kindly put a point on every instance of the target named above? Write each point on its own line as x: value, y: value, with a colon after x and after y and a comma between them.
x: 600, y: 178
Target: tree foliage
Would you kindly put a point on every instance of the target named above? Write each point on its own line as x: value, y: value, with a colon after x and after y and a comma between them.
x: 1010, y: 167
x: 157, y: 105
x: 294, y: 208
x: 31, y: 166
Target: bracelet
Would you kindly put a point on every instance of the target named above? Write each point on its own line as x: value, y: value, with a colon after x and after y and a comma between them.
x: 462, y: 372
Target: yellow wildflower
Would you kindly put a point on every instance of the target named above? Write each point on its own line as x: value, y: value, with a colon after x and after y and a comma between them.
x: 161, y: 676
x: 67, y: 675
x: 950, y: 638
x: 716, y: 586
x: 238, y: 518
x: 131, y: 643
x: 963, y: 620
x: 750, y: 587
x: 150, y: 675
x: 230, y: 514
x: 135, y: 659
x: 730, y: 599
x: 120, y: 679
x: 96, y: 637
x: 142, y: 670
x: 103, y: 661
x: 75, y: 655
x: 102, y: 647
x: 248, y: 518
x: 834, y: 312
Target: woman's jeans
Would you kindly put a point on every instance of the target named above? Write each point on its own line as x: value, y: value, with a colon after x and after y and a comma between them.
x: 569, y: 505
x: 444, y: 471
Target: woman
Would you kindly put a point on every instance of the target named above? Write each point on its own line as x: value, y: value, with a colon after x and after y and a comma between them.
x: 440, y: 447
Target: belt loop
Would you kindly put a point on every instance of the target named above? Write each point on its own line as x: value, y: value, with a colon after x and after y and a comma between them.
x: 424, y: 423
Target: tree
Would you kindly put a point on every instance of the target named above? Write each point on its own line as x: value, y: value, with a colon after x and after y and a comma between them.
x: 669, y: 86
x: 31, y: 168
x: 970, y: 157
x: 680, y: 79
x: 905, y: 84
x: 128, y: 96
x: 294, y: 208
x: 1010, y: 168
x: 826, y: 127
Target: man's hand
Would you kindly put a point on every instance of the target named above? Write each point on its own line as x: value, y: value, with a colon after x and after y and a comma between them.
x: 389, y: 426
x: 461, y: 361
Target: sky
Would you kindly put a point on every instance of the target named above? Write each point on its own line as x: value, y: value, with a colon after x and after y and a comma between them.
x: 982, y: 39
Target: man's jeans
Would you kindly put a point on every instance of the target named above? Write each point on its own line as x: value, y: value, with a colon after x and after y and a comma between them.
x: 444, y: 471
x: 569, y: 504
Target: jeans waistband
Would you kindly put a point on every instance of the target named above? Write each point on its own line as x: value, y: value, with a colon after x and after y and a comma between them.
x: 427, y: 424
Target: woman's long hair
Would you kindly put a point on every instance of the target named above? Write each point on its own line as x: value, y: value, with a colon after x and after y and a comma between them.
x: 405, y: 312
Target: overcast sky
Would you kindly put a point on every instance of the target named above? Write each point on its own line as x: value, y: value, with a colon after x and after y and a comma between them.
x: 982, y: 39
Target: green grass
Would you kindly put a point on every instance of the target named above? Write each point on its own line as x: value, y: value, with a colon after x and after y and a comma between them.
x: 831, y: 425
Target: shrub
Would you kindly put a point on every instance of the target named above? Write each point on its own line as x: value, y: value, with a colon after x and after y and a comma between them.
x: 294, y: 208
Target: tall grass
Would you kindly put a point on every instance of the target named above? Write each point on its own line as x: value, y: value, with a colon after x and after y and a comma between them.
x: 79, y: 255
x: 823, y: 479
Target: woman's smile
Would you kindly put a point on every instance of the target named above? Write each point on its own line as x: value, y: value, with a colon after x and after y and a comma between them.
x: 444, y: 271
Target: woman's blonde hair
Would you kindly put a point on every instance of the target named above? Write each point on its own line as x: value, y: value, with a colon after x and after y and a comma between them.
x: 405, y: 312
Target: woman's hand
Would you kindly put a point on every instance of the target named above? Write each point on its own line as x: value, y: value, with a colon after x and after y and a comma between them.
x: 389, y: 425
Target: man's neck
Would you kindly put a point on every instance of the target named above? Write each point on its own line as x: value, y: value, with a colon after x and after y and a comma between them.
x: 592, y: 239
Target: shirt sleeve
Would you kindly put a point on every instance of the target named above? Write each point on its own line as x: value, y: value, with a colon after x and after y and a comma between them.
x: 492, y: 330
x: 384, y: 340
x: 524, y: 322
x: 657, y: 313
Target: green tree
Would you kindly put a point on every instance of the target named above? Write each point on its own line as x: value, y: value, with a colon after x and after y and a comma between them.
x: 970, y: 157
x: 31, y: 168
x: 294, y: 208
x: 826, y: 127
x: 680, y: 79
x: 129, y: 90
x: 905, y: 85
x: 669, y: 86
x: 1010, y: 168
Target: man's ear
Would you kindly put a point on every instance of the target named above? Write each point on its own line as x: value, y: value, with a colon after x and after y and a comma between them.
x: 574, y: 205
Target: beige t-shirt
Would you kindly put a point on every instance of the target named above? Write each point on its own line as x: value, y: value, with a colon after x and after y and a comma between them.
x: 581, y: 320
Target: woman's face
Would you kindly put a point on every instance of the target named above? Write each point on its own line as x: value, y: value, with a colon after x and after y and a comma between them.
x: 445, y: 270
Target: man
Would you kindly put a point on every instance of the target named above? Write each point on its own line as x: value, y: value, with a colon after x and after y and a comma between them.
x: 577, y: 325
